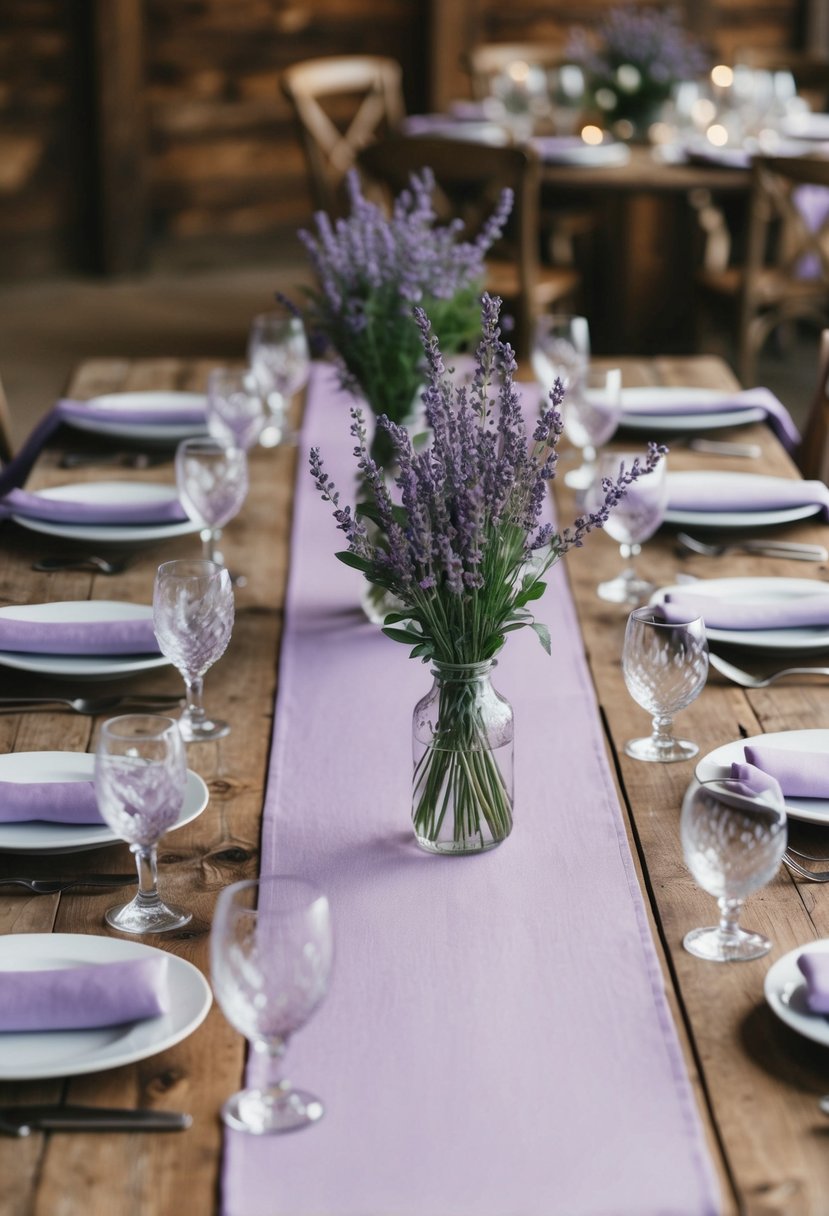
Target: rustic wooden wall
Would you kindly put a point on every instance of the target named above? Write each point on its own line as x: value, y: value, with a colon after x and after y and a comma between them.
x: 107, y: 154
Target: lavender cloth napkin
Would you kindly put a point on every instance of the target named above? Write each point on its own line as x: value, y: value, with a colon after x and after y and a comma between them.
x: 49, y: 802
x: 800, y: 774
x: 114, y: 511
x: 777, y: 416
x: 134, y: 635
x: 713, y: 490
x: 814, y: 966
x: 756, y: 781
x: 80, y: 998
x: 494, y: 1008
x: 755, y: 613
x: 17, y: 470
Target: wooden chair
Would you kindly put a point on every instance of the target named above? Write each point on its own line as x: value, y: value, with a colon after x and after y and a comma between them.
x: 772, y: 286
x: 341, y: 104
x: 813, y: 454
x: 470, y: 177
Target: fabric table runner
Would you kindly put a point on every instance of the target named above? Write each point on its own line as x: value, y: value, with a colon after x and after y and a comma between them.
x: 496, y: 1040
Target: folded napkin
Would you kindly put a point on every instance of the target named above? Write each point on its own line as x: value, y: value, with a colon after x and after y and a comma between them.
x: 80, y: 998
x: 750, y: 613
x: 755, y: 780
x: 133, y: 635
x: 714, y: 491
x: 17, y: 470
x: 115, y: 511
x: 814, y: 965
x: 48, y: 802
x: 800, y: 774
x: 777, y: 416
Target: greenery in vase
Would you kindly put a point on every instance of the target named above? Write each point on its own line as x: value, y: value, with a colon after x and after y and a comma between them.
x: 372, y: 269
x: 463, y: 547
x: 637, y: 57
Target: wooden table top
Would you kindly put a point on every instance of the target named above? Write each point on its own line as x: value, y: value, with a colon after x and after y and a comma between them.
x: 646, y: 172
x: 757, y: 1083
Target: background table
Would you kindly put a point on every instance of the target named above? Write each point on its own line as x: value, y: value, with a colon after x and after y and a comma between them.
x: 757, y: 1082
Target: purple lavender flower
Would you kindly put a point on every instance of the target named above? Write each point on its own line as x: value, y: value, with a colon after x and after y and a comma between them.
x: 454, y: 542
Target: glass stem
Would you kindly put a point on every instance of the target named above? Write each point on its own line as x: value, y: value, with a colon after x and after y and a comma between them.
x: 209, y: 536
x: 146, y: 861
x: 661, y: 731
x: 628, y: 553
x: 195, y: 699
x: 275, y: 1050
x: 729, y: 916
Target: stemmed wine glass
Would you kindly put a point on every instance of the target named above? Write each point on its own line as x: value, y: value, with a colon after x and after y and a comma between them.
x: 193, y: 613
x: 591, y: 411
x: 278, y: 355
x: 235, y: 407
x: 140, y: 783
x: 733, y: 840
x: 212, y: 483
x: 665, y: 666
x: 561, y: 349
x: 270, y: 958
x: 632, y: 521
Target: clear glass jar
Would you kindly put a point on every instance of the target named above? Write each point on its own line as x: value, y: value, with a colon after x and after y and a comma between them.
x: 462, y: 747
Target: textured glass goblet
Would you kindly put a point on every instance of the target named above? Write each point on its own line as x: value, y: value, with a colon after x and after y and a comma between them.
x: 733, y: 840
x: 592, y: 406
x: 235, y: 407
x: 665, y: 667
x: 212, y: 483
x: 193, y: 613
x: 633, y: 521
x: 270, y: 959
x: 140, y: 782
x: 561, y: 349
x: 279, y: 357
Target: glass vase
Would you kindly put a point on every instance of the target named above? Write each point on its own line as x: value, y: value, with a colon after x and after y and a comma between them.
x: 462, y: 746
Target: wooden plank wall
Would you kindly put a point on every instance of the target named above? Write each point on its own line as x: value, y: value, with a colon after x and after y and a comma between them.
x: 221, y: 159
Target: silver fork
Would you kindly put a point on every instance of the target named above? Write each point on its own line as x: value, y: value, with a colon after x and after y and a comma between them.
x: 746, y: 680
x: 802, y: 871
x: 92, y: 705
x: 761, y: 548
x: 53, y: 886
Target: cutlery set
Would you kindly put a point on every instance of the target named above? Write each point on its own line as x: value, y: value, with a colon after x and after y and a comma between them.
x: 761, y: 548
x: 89, y: 561
x: 746, y: 680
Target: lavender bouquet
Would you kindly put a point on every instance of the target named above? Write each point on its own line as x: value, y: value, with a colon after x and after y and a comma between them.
x: 372, y: 269
x: 641, y: 54
x: 464, y: 549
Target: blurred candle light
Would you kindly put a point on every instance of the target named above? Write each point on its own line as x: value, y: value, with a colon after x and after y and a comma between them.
x: 703, y: 112
x: 717, y: 135
x: 592, y: 135
x: 722, y: 76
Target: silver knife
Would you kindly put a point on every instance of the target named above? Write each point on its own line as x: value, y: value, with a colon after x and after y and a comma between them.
x: 723, y: 447
x: 786, y: 548
x: 22, y: 1120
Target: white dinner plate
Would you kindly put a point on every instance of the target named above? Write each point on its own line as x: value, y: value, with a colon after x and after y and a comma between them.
x: 803, y: 639
x: 640, y: 408
x: 157, y: 403
x: 68, y: 1053
x: 80, y: 666
x: 37, y: 836
x: 554, y: 150
x: 106, y: 491
x: 718, y: 764
x: 735, y: 519
x: 785, y: 991
x: 805, y: 126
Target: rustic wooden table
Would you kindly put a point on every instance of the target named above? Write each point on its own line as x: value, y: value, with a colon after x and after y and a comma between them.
x: 757, y: 1083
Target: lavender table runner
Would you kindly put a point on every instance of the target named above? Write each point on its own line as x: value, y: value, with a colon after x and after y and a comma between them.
x: 496, y: 1040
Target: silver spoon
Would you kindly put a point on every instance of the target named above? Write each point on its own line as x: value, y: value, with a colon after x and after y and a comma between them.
x: 100, y: 565
x: 746, y: 680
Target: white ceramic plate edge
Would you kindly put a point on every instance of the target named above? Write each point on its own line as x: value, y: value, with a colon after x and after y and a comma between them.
x: 782, y: 981
x: 717, y: 763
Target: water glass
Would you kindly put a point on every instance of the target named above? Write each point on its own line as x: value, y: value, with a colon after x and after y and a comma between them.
x: 279, y: 357
x: 591, y: 411
x: 631, y: 523
x: 212, y: 483
x: 665, y: 666
x: 236, y: 411
x: 561, y: 350
x: 271, y: 950
x: 193, y: 613
x: 733, y: 840
x: 140, y: 783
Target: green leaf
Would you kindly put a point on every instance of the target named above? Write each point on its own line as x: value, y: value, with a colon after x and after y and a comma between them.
x: 352, y: 559
x: 543, y: 635
x: 407, y: 636
x: 424, y: 650
x: 527, y: 594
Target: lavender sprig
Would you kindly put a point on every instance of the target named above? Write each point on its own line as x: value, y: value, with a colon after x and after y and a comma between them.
x: 454, y: 546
